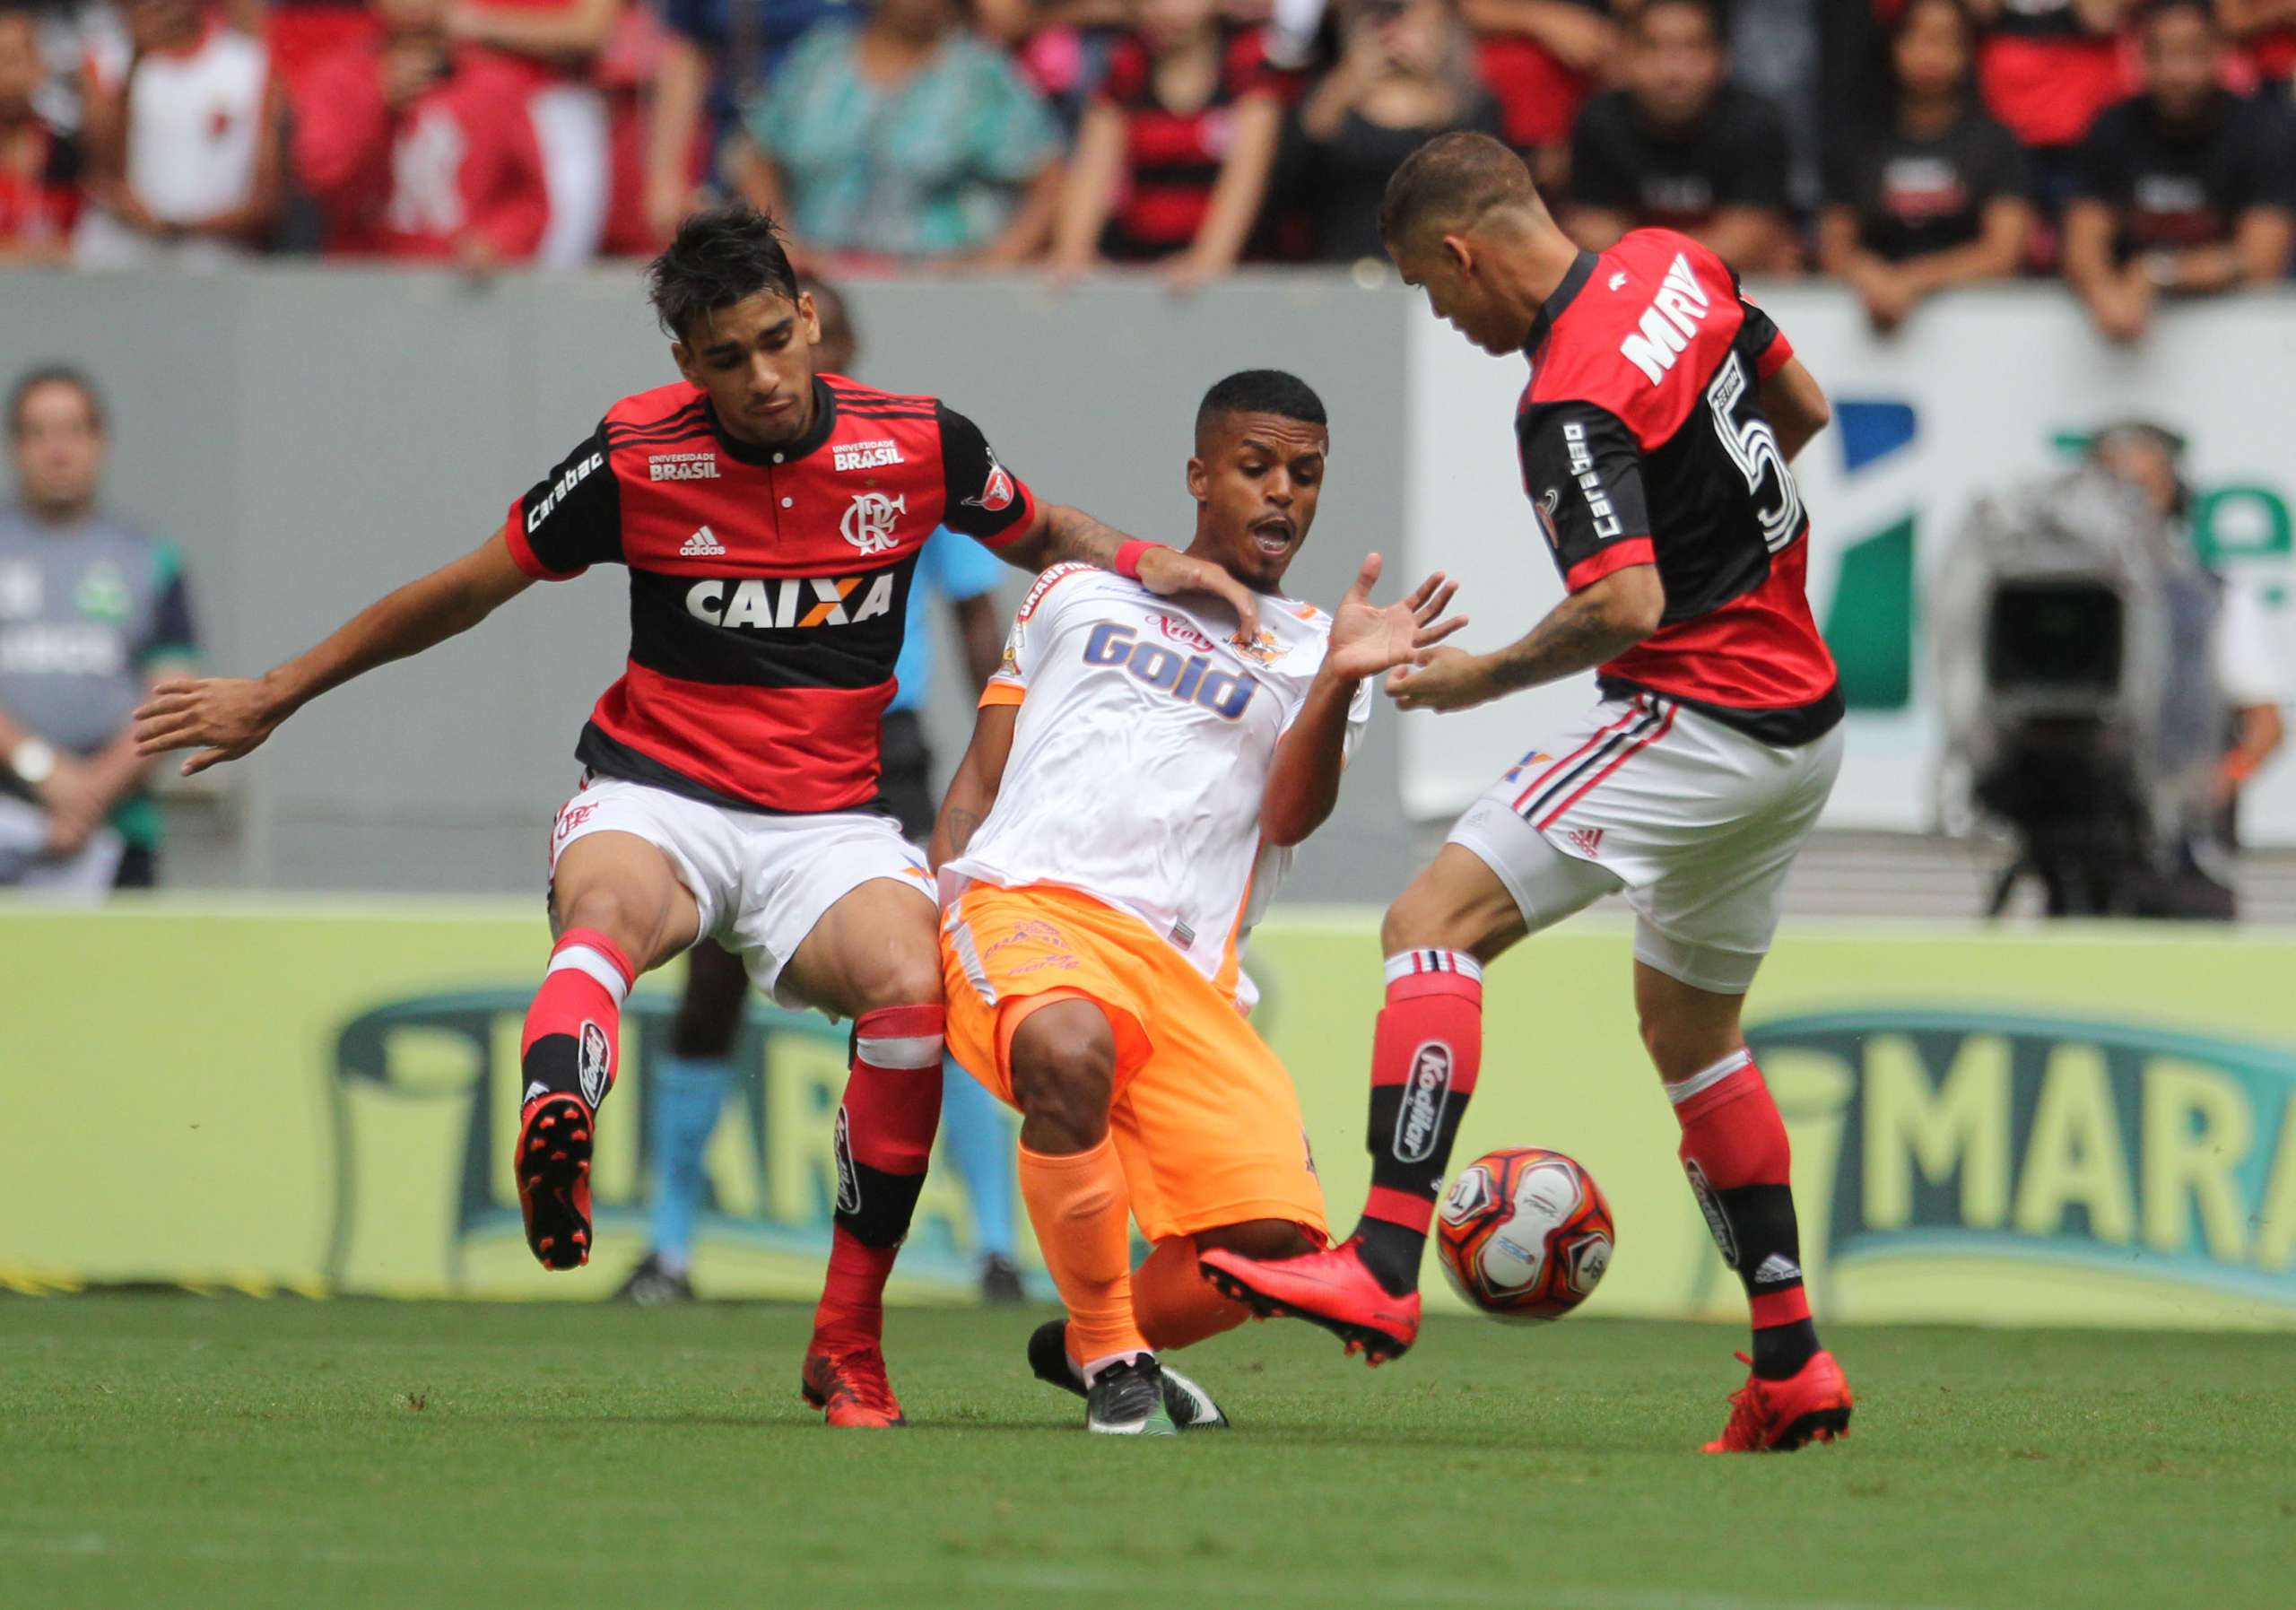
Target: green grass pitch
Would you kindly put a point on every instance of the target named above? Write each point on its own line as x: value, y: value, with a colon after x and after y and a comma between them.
x: 181, y: 1451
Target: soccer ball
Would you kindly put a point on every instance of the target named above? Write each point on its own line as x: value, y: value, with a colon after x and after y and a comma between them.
x: 1525, y: 1234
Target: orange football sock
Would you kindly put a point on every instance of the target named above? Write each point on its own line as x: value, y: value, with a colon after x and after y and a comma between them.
x: 1175, y: 1305
x: 1082, y: 1211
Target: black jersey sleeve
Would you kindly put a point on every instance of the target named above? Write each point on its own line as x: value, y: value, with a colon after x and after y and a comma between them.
x: 571, y: 518
x: 1583, y: 475
x: 984, y: 499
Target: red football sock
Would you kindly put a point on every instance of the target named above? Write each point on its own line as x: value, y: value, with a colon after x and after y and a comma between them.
x: 884, y: 1138
x: 1740, y: 1164
x: 575, y: 1025
x: 1424, y: 1056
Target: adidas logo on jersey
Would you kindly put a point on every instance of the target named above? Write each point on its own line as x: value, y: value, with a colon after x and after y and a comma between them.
x: 799, y: 601
x: 1586, y: 840
x: 702, y: 544
x: 1668, y: 323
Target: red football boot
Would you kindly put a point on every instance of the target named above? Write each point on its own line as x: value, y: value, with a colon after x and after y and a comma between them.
x: 1813, y: 1404
x: 552, y: 1168
x: 1332, y: 1288
x: 846, y: 1382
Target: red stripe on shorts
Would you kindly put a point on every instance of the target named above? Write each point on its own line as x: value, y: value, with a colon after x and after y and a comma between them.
x: 1630, y: 750
x: 1571, y: 760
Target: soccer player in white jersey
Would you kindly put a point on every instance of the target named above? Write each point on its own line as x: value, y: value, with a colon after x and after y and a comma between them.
x: 1129, y: 805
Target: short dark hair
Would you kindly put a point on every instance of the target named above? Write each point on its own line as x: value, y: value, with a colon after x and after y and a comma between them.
x: 1902, y: 23
x: 1704, y: 8
x: 2152, y: 9
x: 53, y: 374
x: 1260, y: 391
x: 719, y: 256
x: 1453, y: 179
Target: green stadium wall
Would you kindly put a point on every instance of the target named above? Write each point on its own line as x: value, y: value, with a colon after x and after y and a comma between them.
x: 2086, y: 1125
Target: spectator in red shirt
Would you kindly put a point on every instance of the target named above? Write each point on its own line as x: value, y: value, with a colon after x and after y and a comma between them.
x: 1931, y: 192
x: 2048, y: 67
x: 416, y: 147
x: 557, y: 45
x: 2266, y: 32
x: 2186, y: 189
x: 1172, y: 159
x: 39, y: 169
x: 1541, y: 59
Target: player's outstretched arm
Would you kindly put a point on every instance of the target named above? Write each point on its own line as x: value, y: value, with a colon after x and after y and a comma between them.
x: 1795, y: 406
x: 1365, y: 639
x: 972, y: 791
x: 1064, y: 535
x: 225, y: 718
x: 1594, y: 625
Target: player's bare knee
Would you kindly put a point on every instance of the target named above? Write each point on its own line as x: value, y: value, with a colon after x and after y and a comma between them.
x: 1416, y: 921
x: 1679, y: 1050
x: 1063, y: 1079
x: 1258, y: 1238
x: 601, y: 908
x: 902, y: 980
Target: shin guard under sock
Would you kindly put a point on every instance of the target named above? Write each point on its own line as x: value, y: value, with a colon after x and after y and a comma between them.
x: 1082, y: 1210
x: 884, y: 1137
x: 574, y: 1026
x: 1734, y: 1151
x: 1424, y: 1056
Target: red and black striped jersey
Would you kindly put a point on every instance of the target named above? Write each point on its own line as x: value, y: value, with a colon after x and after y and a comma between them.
x: 768, y: 586
x: 1643, y: 441
x: 1172, y: 159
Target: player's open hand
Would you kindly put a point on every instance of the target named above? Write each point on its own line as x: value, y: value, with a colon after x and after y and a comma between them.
x: 1165, y: 571
x: 223, y: 717
x: 1442, y: 679
x: 1367, y: 637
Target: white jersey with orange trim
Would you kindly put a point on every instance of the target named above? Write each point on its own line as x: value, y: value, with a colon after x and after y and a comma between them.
x: 1141, y: 753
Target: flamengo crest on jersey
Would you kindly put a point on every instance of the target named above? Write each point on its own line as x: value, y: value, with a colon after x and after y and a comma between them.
x: 1141, y: 753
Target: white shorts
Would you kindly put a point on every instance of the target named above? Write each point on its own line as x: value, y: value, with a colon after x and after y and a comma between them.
x: 1693, y: 820
x: 761, y: 881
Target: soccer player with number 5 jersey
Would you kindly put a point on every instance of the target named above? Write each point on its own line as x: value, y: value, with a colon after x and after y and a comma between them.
x: 1655, y: 436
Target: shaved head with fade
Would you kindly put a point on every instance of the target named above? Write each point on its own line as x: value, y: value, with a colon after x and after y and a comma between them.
x: 1465, y: 223
x: 1449, y: 185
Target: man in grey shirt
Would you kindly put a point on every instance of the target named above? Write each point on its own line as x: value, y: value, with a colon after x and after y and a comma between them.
x: 91, y: 610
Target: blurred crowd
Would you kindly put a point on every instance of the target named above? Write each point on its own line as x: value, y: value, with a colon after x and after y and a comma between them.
x: 2136, y: 147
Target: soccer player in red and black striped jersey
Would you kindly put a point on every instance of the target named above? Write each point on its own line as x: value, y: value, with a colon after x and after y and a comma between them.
x: 770, y: 519
x: 1655, y: 435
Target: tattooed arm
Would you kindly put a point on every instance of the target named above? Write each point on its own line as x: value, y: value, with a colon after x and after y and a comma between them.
x: 1064, y: 535
x: 1590, y: 626
x: 972, y: 791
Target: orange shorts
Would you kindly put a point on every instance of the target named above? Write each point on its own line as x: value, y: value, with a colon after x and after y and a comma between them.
x: 1206, y: 1119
